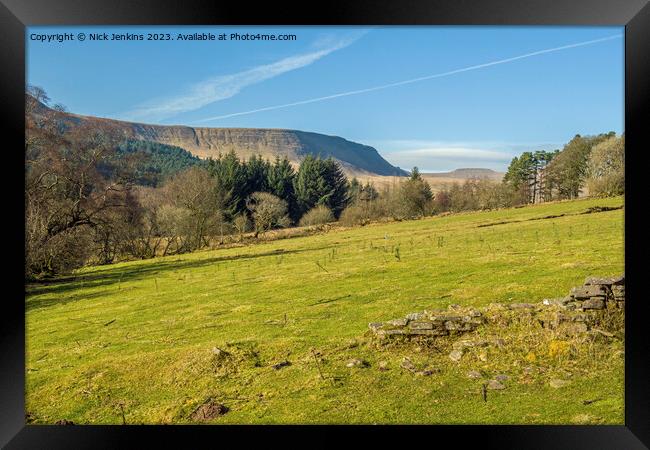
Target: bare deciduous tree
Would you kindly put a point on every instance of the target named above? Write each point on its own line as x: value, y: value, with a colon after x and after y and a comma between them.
x: 268, y: 211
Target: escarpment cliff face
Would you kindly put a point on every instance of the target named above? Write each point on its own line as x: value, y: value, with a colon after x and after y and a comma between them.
x: 246, y: 142
x: 355, y: 158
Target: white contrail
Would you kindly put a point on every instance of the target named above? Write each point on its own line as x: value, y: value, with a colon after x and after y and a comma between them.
x: 222, y: 87
x: 414, y: 80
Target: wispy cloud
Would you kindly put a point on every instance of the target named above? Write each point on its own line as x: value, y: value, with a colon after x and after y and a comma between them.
x: 472, y: 154
x: 423, y: 145
x: 413, y: 80
x: 225, y: 86
x: 432, y: 156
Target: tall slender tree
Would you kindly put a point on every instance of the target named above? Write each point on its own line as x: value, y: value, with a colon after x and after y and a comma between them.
x: 230, y: 180
x: 280, y: 183
x: 321, y: 182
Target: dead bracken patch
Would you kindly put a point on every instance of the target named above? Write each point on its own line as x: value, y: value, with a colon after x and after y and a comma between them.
x: 239, y: 354
x: 209, y: 410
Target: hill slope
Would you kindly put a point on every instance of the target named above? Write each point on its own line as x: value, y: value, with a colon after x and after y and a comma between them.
x: 355, y: 158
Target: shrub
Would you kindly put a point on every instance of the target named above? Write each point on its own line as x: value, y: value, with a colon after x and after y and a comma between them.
x: 353, y: 215
x: 318, y: 215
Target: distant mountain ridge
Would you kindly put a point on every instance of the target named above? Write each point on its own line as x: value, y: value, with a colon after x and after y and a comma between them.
x: 355, y: 158
x: 469, y: 173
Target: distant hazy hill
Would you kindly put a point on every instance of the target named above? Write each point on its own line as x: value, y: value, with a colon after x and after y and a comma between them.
x: 355, y: 158
x: 468, y: 173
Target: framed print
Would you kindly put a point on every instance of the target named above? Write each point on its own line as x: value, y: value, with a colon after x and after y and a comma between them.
x: 368, y: 216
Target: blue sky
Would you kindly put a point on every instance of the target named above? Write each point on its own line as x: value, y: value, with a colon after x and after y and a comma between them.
x: 436, y: 97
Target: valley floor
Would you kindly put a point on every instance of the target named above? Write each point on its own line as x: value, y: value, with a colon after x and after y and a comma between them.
x: 134, y: 342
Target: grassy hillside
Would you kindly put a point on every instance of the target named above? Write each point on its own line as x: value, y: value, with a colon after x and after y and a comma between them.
x: 133, y: 342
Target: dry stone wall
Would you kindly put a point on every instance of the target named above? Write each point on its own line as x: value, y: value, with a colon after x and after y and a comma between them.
x: 455, y: 320
x: 575, y: 313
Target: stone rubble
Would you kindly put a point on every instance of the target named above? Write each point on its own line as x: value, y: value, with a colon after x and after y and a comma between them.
x: 495, y: 385
x: 357, y: 363
x: 431, y: 323
x: 573, y: 314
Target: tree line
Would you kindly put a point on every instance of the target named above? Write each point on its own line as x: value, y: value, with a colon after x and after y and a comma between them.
x: 86, y: 201
x: 593, y: 164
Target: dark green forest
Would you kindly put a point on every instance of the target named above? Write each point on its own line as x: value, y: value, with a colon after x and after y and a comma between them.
x: 156, y: 162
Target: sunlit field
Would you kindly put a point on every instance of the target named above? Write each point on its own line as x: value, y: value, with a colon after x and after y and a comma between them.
x: 134, y: 342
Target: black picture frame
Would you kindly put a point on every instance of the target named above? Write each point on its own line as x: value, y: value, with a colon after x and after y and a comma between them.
x: 15, y: 15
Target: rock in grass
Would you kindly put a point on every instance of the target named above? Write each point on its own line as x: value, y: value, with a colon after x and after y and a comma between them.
x: 557, y: 383
x: 220, y: 357
x: 456, y: 355
x: 383, y: 366
x: 474, y: 374
x: 594, y: 303
x: 393, y: 332
x: 407, y: 364
x: 398, y: 322
x: 618, y: 292
x: 495, y: 385
x: 502, y: 377
x: 281, y: 364
x: 357, y: 363
x: 421, y: 325
x: 429, y: 370
x: 415, y: 316
x: 586, y: 292
x: 561, y: 302
x: 605, y: 281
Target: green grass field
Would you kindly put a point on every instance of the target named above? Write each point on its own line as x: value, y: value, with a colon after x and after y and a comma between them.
x: 132, y: 342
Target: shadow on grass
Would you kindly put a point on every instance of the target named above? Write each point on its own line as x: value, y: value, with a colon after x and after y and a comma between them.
x: 112, y: 275
x: 40, y: 303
